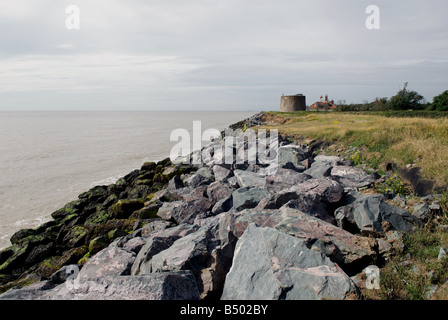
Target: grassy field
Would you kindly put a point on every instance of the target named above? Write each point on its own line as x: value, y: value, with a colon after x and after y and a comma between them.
x: 381, y: 138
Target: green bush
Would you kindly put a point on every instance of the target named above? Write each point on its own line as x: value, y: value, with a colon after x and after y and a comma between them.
x: 440, y: 103
x: 405, y: 99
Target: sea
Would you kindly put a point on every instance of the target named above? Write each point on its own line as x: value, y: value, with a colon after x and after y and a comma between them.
x: 48, y: 158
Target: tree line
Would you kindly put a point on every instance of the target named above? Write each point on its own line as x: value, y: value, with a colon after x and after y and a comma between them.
x: 405, y: 99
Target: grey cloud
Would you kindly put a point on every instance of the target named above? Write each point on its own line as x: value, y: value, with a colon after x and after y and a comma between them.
x: 216, y: 54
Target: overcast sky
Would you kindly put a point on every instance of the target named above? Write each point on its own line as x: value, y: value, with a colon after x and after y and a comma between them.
x: 216, y: 55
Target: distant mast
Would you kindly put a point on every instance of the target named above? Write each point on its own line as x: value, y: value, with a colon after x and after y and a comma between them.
x: 293, y: 103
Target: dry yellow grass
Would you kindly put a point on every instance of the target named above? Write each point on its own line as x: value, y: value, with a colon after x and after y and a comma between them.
x: 383, y: 139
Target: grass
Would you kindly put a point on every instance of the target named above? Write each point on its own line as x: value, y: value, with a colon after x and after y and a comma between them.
x: 410, y: 274
x: 382, y: 138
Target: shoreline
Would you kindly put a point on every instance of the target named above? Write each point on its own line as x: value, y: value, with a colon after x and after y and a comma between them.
x: 57, y: 156
x: 148, y: 220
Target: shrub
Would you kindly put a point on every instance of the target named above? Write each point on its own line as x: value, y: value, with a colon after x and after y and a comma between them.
x: 440, y: 103
x: 405, y: 100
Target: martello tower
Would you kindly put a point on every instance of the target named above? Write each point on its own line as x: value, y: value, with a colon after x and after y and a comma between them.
x: 293, y: 103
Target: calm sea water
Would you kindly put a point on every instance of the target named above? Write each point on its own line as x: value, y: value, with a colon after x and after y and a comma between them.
x: 48, y: 158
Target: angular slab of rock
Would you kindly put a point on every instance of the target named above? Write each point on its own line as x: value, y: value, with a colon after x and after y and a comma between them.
x: 181, y: 194
x: 207, y: 253
x: 312, y: 205
x: 285, y: 178
x: 188, y: 253
x: 367, y: 213
x: 161, y: 286
x: 221, y: 173
x: 154, y: 245
x: 157, y: 242
x: 322, y: 165
x: 218, y: 190
x: 35, y: 291
x: 319, y: 171
x: 330, y: 160
x: 353, y: 177
x: 223, y: 205
x: 309, y: 203
x: 248, y: 197
x: 290, y: 156
x: 185, y: 254
x: 108, y: 262
x: 329, y: 190
x: 271, y: 265
x: 249, y: 179
x: 195, y: 180
x: 184, y: 212
x: 342, y: 247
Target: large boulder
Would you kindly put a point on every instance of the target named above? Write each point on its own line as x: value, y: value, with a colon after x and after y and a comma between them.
x: 312, y: 205
x: 330, y: 191
x: 179, y: 285
x: 249, y: 179
x: 353, y: 177
x: 206, y: 256
x: 184, y: 212
x: 271, y: 265
x: 218, y: 190
x: 351, y: 252
x: 157, y: 242
x: 35, y: 291
x: 221, y: 173
x: 322, y: 165
x: 290, y: 156
x: 248, y: 197
x: 285, y: 178
x: 108, y: 262
x: 366, y: 215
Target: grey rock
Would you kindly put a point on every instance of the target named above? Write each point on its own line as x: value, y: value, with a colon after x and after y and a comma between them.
x: 329, y: 190
x: 366, y: 215
x: 184, y: 212
x: 108, y: 262
x: 175, y: 183
x: 196, y: 252
x: 233, y: 182
x: 154, y: 245
x: 348, y: 250
x: 206, y: 172
x: 291, y: 156
x: 179, y: 285
x: 442, y: 253
x: 218, y: 190
x: 248, y: 197
x: 35, y: 291
x: 422, y: 212
x: 354, y: 177
x: 329, y: 160
x: 223, y: 205
x: 154, y: 226
x: 285, y: 178
x: 221, y: 173
x: 134, y: 244
x: 319, y: 170
x: 62, y: 274
x: 195, y: 180
x: 434, y: 206
x: 312, y: 205
x: 187, y: 253
x: 271, y: 265
x: 249, y: 179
